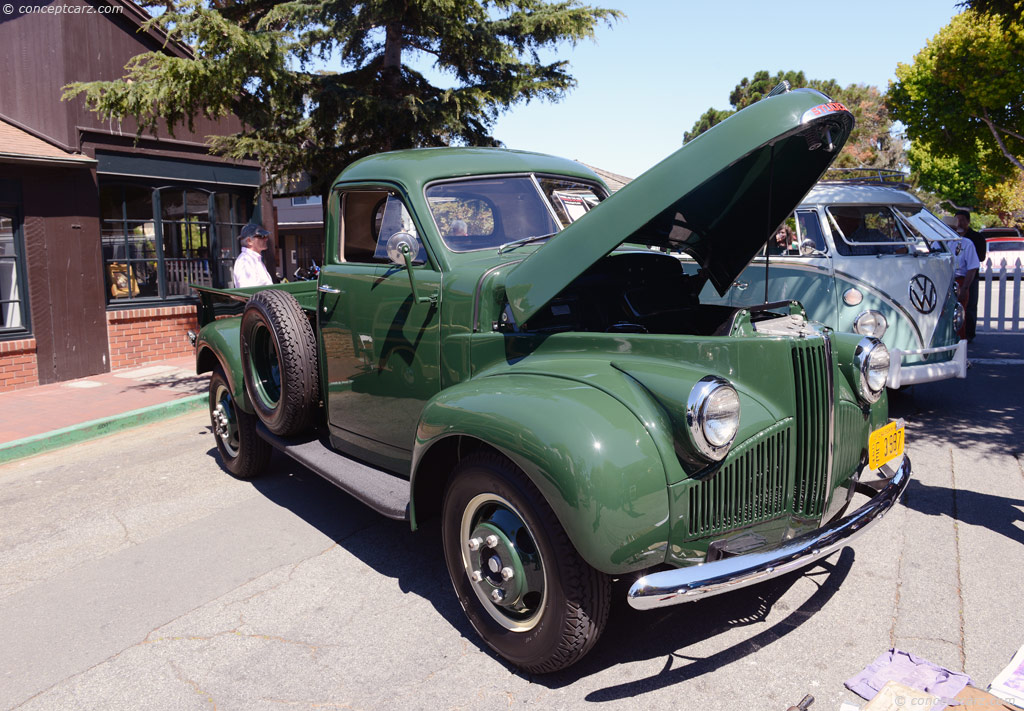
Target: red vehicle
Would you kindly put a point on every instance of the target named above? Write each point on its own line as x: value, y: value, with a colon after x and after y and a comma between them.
x: 1004, y: 243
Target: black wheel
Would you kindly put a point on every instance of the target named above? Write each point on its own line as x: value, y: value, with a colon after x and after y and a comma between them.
x: 279, y: 362
x: 244, y: 453
x: 523, y: 586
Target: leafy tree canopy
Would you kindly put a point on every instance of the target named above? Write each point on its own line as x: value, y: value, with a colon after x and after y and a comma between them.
x: 258, y: 59
x: 963, y: 97
x: 870, y: 145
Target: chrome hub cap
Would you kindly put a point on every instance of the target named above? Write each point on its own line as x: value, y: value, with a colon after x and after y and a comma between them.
x: 503, y: 562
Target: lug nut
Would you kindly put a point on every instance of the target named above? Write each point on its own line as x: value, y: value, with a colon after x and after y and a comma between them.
x: 477, y: 576
x: 491, y: 541
x: 498, y: 595
x: 474, y: 543
x: 507, y: 573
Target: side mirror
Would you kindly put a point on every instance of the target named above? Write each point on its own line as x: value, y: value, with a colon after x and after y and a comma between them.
x: 402, y: 249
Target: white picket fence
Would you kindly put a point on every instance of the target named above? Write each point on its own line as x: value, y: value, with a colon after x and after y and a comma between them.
x: 1000, y: 298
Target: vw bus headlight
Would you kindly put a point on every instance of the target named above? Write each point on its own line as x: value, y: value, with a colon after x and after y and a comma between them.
x: 871, y: 323
x: 713, y: 416
x: 872, y: 360
x: 958, y: 318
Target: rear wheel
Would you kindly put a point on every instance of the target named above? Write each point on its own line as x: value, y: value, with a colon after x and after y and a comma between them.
x: 519, y: 579
x: 244, y: 453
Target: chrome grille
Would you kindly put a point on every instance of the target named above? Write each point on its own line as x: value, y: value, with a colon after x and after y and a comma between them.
x: 811, y: 386
x: 749, y: 489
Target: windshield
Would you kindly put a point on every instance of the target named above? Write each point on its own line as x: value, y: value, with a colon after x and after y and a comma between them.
x: 884, y: 229
x: 485, y: 213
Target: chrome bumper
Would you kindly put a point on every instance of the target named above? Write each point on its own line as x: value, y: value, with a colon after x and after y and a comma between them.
x: 672, y: 587
x: 900, y: 375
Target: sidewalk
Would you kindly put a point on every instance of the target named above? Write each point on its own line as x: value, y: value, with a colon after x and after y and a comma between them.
x: 46, y: 417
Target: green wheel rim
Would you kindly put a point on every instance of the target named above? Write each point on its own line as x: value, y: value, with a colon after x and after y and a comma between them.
x: 225, y: 422
x: 503, y: 562
x: 265, y: 366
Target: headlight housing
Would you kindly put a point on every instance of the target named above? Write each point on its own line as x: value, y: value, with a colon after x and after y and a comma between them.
x: 958, y: 317
x: 871, y: 323
x: 713, y: 416
x: 872, y: 361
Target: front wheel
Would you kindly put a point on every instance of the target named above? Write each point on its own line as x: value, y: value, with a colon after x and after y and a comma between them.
x: 244, y: 453
x: 519, y: 579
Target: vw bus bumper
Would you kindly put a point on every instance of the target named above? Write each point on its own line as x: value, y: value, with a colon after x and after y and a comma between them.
x: 900, y: 375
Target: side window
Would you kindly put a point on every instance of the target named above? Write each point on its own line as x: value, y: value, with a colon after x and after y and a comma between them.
x: 808, y: 230
x: 369, y: 219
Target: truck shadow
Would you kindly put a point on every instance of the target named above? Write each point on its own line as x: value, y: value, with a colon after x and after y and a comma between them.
x: 999, y: 514
x: 415, y: 561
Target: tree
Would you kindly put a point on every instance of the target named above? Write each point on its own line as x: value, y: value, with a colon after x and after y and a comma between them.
x: 965, y: 90
x: 258, y: 59
x: 871, y: 144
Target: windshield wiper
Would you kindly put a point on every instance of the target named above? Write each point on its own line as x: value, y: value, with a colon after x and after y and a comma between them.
x: 524, y: 240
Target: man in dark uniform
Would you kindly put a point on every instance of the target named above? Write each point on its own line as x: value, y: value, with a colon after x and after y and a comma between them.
x: 963, y: 226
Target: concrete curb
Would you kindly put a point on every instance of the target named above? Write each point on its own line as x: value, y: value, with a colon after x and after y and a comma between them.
x: 37, y: 444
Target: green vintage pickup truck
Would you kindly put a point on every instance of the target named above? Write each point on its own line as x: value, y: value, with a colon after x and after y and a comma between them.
x: 495, y: 340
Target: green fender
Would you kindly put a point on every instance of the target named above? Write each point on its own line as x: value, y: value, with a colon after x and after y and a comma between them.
x: 591, y: 458
x: 219, y: 342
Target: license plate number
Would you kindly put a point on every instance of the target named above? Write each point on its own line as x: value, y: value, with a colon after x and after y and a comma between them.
x: 885, y: 444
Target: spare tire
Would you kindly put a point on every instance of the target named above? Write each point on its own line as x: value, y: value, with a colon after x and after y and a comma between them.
x: 279, y: 362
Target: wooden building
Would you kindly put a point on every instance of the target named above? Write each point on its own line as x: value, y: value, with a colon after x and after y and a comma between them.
x: 99, y: 233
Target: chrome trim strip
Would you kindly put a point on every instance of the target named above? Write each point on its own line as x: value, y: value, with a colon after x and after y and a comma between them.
x: 672, y: 587
x: 830, y: 384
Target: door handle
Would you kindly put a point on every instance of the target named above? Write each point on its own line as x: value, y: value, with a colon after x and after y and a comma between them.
x: 741, y: 285
x: 324, y: 289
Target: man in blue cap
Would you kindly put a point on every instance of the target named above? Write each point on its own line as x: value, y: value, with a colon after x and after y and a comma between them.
x: 249, y: 269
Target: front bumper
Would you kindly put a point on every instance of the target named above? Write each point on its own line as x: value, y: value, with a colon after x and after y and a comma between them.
x: 672, y: 587
x: 900, y: 375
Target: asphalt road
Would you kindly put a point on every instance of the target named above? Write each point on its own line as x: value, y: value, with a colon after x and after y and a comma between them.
x: 139, y: 575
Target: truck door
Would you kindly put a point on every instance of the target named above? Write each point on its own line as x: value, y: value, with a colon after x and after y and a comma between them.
x: 379, y: 346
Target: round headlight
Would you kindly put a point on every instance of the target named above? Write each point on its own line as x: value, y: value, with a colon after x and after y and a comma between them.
x: 871, y: 323
x: 872, y: 360
x: 958, y: 317
x: 713, y: 416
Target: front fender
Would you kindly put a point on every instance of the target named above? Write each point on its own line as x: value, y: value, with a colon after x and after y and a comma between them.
x: 591, y: 458
x: 219, y: 342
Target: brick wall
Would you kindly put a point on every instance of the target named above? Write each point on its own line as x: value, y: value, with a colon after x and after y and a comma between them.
x: 144, y: 335
x: 18, y: 367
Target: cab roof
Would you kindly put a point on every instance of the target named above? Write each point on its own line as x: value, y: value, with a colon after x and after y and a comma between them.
x: 826, y: 193
x: 417, y: 167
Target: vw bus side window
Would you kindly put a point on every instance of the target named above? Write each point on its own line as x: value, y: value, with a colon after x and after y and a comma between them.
x: 803, y: 237
x: 868, y: 230
x: 809, y: 236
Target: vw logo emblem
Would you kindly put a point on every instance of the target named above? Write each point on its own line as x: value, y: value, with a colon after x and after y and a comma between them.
x: 922, y: 294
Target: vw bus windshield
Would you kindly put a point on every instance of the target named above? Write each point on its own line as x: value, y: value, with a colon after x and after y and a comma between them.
x: 935, y: 232
x: 883, y: 230
x: 485, y: 213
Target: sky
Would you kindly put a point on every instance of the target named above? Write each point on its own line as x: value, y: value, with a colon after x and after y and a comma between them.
x: 646, y: 79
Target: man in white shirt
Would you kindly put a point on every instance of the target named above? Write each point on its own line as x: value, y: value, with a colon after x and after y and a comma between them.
x: 965, y: 270
x: 249, y: 269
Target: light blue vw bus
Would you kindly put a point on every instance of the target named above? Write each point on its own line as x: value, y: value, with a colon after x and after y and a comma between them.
x: 866, y: 256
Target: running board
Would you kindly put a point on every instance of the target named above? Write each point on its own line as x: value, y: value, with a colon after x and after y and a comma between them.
x: 382, y: 491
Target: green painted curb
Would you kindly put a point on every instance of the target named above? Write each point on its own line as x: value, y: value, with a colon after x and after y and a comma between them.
x: 36, y: 444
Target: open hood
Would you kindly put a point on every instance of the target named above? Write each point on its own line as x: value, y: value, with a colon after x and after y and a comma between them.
x: 718, y: 198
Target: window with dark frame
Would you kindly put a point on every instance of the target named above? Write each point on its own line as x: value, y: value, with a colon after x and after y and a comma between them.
x: 14, y: 320
x: 159, y: 239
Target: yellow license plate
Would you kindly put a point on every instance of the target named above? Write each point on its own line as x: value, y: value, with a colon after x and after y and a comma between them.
x: 885, y: 444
